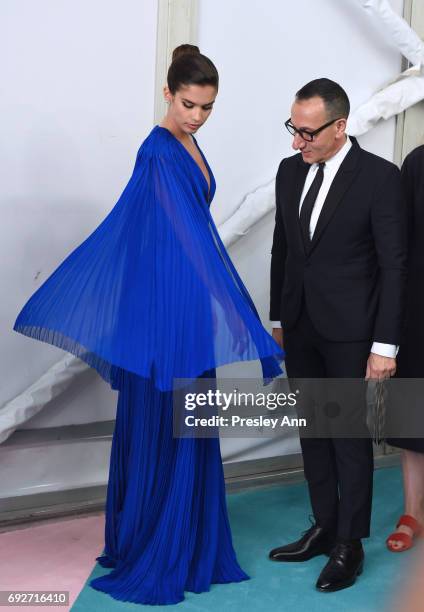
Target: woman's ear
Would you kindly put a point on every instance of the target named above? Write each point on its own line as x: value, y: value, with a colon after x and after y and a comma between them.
x: 167, y: 95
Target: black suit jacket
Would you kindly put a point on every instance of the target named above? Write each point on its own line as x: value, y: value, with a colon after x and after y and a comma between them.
x: 353, y: 275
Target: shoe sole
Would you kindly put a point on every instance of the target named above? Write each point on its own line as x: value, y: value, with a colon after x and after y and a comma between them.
x: 294, y: 560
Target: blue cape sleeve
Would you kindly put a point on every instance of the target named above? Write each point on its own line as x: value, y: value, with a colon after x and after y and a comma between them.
x: 152, y: 290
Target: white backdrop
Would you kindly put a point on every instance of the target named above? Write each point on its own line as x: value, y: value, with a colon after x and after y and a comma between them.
x: 76, y: 100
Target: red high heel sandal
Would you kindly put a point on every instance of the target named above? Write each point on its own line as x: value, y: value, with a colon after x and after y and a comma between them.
x: 406, y: 540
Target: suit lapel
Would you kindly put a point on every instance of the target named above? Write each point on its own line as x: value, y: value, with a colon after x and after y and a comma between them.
x: 341, y: 183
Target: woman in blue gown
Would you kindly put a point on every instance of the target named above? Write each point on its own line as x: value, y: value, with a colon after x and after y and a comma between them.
x: 151, y: 297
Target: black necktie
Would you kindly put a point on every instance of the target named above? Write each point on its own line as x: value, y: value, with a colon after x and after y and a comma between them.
x: 308, y: 204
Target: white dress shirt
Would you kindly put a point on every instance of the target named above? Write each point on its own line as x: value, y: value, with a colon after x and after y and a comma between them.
x: 330, y: 170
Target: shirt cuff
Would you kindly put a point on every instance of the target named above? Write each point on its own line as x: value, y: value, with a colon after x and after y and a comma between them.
x: 276, y: 324
x: 385, y: 350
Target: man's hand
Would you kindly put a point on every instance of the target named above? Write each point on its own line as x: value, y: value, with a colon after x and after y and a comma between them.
x: 277, y: 334
x: 379, y: 367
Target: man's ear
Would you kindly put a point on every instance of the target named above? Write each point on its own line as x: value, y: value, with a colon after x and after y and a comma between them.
x: 341, y: 127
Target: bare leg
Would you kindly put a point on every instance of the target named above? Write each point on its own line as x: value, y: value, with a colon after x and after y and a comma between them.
x: 413, y: 483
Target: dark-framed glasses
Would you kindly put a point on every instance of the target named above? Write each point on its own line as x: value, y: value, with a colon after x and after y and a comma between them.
x: 307, y: 134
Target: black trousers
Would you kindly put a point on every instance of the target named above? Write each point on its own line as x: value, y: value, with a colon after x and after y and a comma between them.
x: 339, y: 471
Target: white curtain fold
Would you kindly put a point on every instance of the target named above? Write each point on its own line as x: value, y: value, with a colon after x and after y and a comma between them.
x: 28, y: 403
x: 402, y: 35
x: 406, y: 89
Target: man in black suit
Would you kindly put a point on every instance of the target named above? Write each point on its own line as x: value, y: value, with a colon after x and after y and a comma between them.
x: 338, y: 273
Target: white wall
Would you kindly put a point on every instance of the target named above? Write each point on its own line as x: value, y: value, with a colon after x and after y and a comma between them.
x: 76, y: 101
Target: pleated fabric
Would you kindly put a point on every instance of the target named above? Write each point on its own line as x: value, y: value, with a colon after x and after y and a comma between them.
x: 152, y: 290
x: 150, y: 297
x: 167, y: 528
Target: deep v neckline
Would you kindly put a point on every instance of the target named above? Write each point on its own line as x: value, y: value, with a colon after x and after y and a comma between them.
x: 208, y: 183
x: 208, y: 178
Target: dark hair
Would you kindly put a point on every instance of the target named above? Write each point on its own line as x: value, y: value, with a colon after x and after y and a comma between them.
x: 334, y: 97
x: 190, y: 67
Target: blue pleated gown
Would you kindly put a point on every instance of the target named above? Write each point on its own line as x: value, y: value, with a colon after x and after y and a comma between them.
x: 150, y: 297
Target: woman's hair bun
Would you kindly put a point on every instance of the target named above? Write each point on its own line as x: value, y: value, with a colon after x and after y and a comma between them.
x: 190, y: 67
x: 185, y: 50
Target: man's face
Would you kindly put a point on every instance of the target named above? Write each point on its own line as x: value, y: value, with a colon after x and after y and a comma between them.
x: 310, y: 115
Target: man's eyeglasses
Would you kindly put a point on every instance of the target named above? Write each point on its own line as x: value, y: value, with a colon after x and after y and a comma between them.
x: 307, y: 134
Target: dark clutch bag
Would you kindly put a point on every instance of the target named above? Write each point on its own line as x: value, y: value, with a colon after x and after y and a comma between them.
x: 377, y: 420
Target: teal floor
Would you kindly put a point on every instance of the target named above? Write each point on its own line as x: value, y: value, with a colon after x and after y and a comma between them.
x: 265, y: 518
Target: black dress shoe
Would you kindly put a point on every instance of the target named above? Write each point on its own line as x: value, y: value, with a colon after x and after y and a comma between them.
x: 345, y: 564
x: 315, y: 541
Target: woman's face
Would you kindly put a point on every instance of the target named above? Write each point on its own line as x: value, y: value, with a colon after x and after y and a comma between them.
x: 190, y: 106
